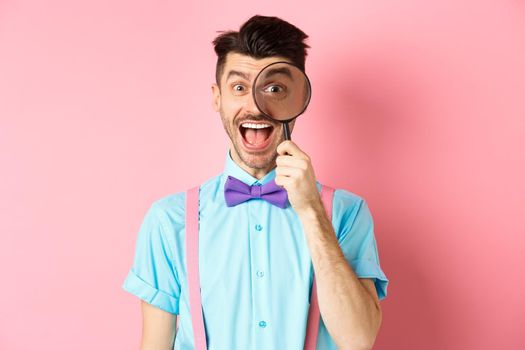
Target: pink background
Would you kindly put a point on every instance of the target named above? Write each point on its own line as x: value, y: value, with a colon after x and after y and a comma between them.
x: 419, y: 107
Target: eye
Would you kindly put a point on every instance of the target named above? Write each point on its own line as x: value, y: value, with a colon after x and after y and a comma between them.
x: 275, y: 89
x: 238, y: 88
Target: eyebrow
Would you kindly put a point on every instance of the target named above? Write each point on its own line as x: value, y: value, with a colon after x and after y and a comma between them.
x: 237, y: 73
x: 282, y: 70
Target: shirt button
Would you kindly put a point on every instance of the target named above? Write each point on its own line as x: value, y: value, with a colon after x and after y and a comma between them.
x: 262, y: 324
x: 260, y: 273
x: 258, y: 227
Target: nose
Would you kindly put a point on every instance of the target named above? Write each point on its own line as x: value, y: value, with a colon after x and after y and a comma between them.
x: 250, y: 105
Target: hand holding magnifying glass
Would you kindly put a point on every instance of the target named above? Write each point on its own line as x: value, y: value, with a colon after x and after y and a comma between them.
x: 281, y: 92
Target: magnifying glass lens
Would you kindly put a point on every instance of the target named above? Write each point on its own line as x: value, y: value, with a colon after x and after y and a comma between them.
x: 282, y: 91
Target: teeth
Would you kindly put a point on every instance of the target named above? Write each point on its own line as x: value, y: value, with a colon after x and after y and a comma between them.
x: 255, y: 126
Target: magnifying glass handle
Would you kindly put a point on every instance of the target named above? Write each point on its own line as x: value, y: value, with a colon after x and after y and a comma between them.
x: 286, y: 131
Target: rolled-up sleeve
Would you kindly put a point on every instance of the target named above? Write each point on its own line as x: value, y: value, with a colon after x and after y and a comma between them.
x: 153, y: 277
x: 357, y: 240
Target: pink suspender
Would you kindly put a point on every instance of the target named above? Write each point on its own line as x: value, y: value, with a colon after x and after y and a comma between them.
x: 192, y: 266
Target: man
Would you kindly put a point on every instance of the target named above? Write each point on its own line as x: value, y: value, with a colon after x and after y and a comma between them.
x: 257, y: 259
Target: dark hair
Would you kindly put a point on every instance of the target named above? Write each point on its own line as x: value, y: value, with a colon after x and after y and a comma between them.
x: 261, y: 37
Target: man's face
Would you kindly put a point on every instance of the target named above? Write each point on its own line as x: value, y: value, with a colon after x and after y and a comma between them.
x: 252, y: 145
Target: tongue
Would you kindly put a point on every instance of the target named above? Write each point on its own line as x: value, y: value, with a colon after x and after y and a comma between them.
x: 256, y: 136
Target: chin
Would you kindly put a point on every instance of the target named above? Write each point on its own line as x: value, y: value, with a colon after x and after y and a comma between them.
x: 261, y: 160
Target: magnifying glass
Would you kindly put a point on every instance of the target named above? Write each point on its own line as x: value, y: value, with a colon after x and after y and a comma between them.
x: 281, y: 92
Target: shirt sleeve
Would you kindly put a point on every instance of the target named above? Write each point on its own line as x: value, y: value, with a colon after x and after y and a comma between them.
x: 356, y: 238
x: 153, y: 277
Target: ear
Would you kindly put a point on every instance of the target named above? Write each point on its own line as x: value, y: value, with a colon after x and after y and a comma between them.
x: 216, y: 97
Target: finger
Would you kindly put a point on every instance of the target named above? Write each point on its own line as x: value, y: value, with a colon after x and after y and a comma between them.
x: 283, y: 181
x: 292, y: 162
x: 290, y: 148
x: 288, y: 171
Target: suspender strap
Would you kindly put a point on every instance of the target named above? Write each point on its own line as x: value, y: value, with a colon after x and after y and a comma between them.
x: 192, y: 266
x: 314, y: 315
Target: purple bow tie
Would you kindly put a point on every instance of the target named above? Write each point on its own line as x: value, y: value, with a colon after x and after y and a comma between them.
x: 236, y: 191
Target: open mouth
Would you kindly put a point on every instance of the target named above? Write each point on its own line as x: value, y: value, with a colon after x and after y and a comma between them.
x: 256, y: 135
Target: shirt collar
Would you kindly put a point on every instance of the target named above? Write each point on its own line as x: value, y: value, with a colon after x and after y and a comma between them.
x: 233, y: 169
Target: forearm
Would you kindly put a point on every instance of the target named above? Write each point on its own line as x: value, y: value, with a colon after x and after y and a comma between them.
x: 158, y: 328
x: 349, y: 312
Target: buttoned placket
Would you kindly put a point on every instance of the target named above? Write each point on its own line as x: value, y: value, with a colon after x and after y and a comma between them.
x: 259, y: 265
